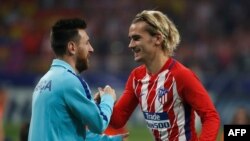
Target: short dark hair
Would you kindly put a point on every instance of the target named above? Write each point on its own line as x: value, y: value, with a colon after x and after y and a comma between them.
x: 63, y: 31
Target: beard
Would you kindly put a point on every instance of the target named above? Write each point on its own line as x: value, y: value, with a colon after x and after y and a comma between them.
x: 81, y: 64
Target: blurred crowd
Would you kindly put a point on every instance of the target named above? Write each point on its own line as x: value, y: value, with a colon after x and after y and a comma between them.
x: 215, y: 41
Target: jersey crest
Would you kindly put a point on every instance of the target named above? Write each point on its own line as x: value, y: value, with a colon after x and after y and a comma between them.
x: 162, y: 95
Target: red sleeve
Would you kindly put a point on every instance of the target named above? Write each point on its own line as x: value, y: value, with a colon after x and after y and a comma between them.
x: 125, y: 105
x: 194, y: 94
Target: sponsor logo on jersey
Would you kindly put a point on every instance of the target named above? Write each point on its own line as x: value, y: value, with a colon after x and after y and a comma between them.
x: 156, y: 120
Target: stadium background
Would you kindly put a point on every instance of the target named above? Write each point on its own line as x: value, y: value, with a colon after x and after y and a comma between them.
x: 215, y: 44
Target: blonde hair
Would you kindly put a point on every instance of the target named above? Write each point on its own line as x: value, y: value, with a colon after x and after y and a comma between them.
x: 160, y: 24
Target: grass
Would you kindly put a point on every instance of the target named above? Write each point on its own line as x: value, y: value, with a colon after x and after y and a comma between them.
x: 139, y: 133
x: 136, y: 133
x: 12, y: 131
x: 142, y: 133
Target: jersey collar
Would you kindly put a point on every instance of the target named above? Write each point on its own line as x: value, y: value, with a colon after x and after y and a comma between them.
x: 61, y: 63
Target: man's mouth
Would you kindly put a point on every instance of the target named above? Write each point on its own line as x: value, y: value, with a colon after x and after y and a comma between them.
x: 88, y: 56
x: 136, y: 50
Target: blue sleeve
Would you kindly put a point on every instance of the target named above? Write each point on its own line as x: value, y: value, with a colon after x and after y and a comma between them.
x: 97, y: 137
x: 78, y: 99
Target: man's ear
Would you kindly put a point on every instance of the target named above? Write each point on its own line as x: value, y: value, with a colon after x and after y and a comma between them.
x: 71, y: 48
x: 158, y: 39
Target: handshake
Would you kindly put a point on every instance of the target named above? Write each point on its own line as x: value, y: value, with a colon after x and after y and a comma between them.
x: 106, y: 90
x: 110, y: 132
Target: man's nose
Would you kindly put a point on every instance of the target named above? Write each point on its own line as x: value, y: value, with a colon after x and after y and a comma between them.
x: 131, y: 44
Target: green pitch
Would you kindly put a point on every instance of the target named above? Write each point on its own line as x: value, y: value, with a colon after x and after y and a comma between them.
x: 136, y: 133
x: 139, y: 133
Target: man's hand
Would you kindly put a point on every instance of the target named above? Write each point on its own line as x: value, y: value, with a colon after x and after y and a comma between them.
x: 124, y: 136
x: 106, y: 90
x: 97, y: 97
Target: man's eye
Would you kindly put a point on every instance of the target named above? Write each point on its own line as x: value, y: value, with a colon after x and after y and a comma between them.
x: 87, y: 42
x: 136, y: 38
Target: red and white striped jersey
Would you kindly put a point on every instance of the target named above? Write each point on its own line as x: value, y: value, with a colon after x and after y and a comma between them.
x: 168, y: 100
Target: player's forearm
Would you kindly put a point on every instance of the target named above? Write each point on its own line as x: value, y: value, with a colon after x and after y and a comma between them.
x: 118, y: 118
x: 210, y: 126
x: 122, y: 111
x: 100, y: 123
x: 106, y: 108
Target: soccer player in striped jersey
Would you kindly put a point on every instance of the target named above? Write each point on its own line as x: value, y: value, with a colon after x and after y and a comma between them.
x: 168, y: 93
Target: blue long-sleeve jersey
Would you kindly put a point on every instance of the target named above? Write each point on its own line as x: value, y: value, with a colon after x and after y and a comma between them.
x: 62, y: 107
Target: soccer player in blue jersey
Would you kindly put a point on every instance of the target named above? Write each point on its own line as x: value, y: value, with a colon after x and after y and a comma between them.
x: 62, y: 106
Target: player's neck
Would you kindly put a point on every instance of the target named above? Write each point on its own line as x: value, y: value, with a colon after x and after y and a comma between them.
x: 155, y: 65
x: 70, y: 60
